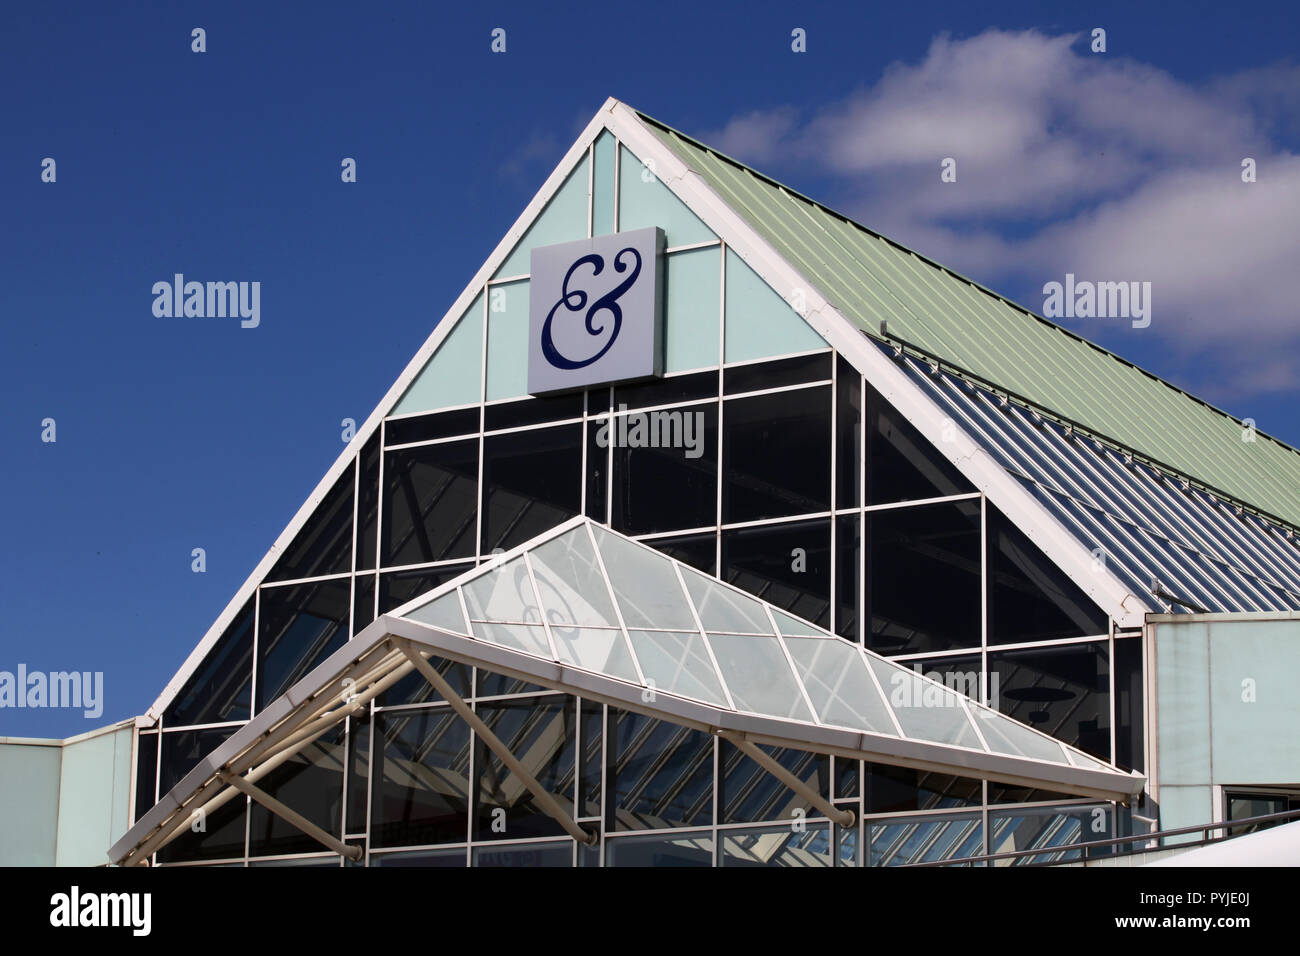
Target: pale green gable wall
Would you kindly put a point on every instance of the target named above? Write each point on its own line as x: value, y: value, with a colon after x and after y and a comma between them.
x: 29, y: 803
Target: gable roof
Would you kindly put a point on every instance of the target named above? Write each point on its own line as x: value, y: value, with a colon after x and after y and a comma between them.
x: 871, y: 280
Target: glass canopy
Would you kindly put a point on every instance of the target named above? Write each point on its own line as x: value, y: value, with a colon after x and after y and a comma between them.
x: 597, y: 602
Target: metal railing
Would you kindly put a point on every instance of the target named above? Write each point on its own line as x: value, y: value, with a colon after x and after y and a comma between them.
x: 1153, y: 836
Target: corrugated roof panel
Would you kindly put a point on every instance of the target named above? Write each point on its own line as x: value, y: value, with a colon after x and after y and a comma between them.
x: 870, y: 279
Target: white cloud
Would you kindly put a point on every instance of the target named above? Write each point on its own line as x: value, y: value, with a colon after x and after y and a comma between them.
x: 1074, y: 162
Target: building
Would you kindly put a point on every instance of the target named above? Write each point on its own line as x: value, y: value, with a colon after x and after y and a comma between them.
x: 710, y: 527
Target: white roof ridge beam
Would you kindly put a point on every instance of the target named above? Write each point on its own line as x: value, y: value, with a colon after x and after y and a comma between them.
x: 891, y: 382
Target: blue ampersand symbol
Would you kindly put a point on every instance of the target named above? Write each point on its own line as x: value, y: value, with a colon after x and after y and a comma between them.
x: 576, y: 301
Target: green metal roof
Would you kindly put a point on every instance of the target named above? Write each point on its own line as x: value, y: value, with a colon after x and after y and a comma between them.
x: 871, y: 279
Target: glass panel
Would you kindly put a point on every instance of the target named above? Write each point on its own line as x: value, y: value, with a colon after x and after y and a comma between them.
x: 644, y: 201
x: 900, y: 789
x: 758, y: 676
x: 848, y: 434
x: 572, y: 587
x: 593, y: 735
x: 1048, y: 828
x: 700, y: 551
x: 923, y: 577
x: 146, y: 774
x: 526, y: 854
x: 1005, y: 737
x: 540, y: 733
x: 692, y: 280
x: 1062, y: 691
x: 777, y: 455
x: 661, y: 774
x: 924, y: 839
x: 839, y: 684
x: 430, y: 503
x: 221, y: 689
x: 925, y: 710
x: 368, y: 505
x: 298, y: 627
x: 595, y: 649
x: 750, y: 794
x: 224, y: 834
x: 1128, y: 704
x: 324, y: 544
x: 678, y: 663
x: 795, y: 627
x: 649, y: 594
x: 398, y: 587
x: 673, y: 448
x: 414, y: 689
x: 533, y: 411
x: 420, y: 779
x: 529, y: 638
x: 444, y: 612
x: 532, y: 481
x: 678, y: 849
x: 363, y: 602
x: 597, y: 474
x: 504, y: 593
x: 1030, y: 598
x: 358, y: 774
x: 760, y: 376
x: 760, y: 322
x: 723, y: 609
x: 405, y: 431
x: 777, y: 846
x: 901, y: 464
x: 788, y: 566
x: 421, y: 858
x: 848, y: 578
x: 454, y: 375
x: 310, y: 782
x: 667, y: 390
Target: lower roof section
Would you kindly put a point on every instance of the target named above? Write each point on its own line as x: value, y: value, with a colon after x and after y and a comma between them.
x: 586, y: 611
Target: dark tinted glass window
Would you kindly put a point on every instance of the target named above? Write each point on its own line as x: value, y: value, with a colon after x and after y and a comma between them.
x: 414, y: 689
x: 311, y: 783
x: 146, y: 773
x: 324, y: 544
x: 1062, y: 691
x: 532, y: 481
x: 597, y: 477
x: 222, y: 688
x: 848, y: 577
x: 368, y: 505
x: 358, y: 773
x: 402, y: 431
x: 525, y: 855
x: 223, y: 837
x: 299, y: 626
x: 901, y: 464
x: 420, y: 779
x: 667, y: 391
x: 848, y: 434
x: 777, y: 455
x: 923, y: 577
x: 593, y: 735
x: 541, y: 734
x: 899, y: 789
x: 790, y: 371
x: 363, y: 603
x: 1030, y: 598
x: 697, y: 550
x: 750, y: 794
x: 1128, y: 704
x: 430, y: 503
x: 665, y: 469
x: 785, y: 565
x: 661, y: 773
x: 532, y: 411
x: 398, y: 587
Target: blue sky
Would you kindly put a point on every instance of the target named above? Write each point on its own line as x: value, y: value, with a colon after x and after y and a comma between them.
x: 181, y: 433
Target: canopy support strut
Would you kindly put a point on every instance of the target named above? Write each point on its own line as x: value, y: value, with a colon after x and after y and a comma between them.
x: 544, y: 797
x: 290, y: 816
x: 843, y: 817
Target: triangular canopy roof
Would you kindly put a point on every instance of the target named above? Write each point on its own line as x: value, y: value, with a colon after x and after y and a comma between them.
x: 585, y: 610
